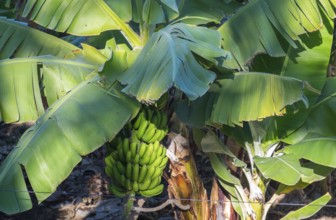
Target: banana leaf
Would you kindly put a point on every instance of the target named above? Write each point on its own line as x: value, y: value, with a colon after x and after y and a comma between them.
x: 285, y: 169
x: 247, y: 96
x: 199, y: 12
x: 78, y: 17
x: 252, y: 30
x: 319, y: 173
x: 28, y: 79
x: 310, y: 209
x: 153, y: 12
x: 74, y: 126
x: 19, y: 40
x: 318, y: 150
x: 308, y: 62
x: 167, y: 60
x: 320, y: 120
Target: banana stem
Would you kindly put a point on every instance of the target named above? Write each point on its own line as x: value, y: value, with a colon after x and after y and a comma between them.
x: 128, y: 206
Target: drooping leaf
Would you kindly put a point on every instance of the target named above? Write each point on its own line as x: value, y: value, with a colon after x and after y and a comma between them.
x: 76, y: 125
x: 247, y: 96
x: 308, y: 210
x: 285, y: 169
x: 211, y: 144
x: 77, y: 17
x: 320, y: 150
x: 222, y: 170
x: 252, y: 29
x: 19, y: 40
x: 167, y: 60
x: 23, y: 82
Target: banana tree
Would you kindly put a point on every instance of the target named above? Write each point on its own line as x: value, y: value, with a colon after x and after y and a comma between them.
x: 83, y: 96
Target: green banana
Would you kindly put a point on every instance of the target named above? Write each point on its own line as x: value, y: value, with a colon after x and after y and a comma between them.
x: 126, y: 147
x: 144, y: 160
x: 115, y: 190
x: 139, y: 119
x: 157, y: 161
x: 157, y: 173
x: 129, y: 184
x: 163, y: 134
x: 150, y: 172
x: 121, y: 155
x: 156, y: 145
x: 159, y: 151
x: 156, y: 136
x: 108, y: 171
x: 128, y: 157
x: 152, y: 158
x: 123, y: 181
x: 135, y: 186
x: 150, y: 149
x: 135, y: 173
x: 116, y: 175
x: 149, y: 114
x: 109, y: 161
x: 142, y: 173
x: 155, y: 182
x: 163, y: 121
x: 141, y: 131
x: 152, y: 192
x: 136, y: 159
x: 163, y: 163
x: 120, y: 167
x: 157, y: 118
x: 133, y: 148
x: 149, y: 133
x: 145, y: 184
x: 129, y: 170
x: 142, y: 149
x: 164, y: 152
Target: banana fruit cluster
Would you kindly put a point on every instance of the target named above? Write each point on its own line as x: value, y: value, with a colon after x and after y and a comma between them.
x: 136, y: 167
x: 150, y: 126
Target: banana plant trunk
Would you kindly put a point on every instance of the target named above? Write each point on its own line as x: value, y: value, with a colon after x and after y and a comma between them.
x: 184, y: 182
x: 220, y: 205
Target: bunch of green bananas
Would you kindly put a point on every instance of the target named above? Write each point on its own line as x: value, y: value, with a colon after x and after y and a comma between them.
x: 150, y: 126
x: 136, y: 167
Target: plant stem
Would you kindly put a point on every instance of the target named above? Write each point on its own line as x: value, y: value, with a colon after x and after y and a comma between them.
x: 128, y: 206
x: 268, y: 205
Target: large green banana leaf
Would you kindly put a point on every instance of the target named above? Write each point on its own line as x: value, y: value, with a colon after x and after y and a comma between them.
x: 308, y: 63
x: 247, y: 96
x: 19, y: 40
x: 23, y: 82
x: 76, y: 125
x: 253, y: 29
x: 167, y: 60
x: 78, y: 17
